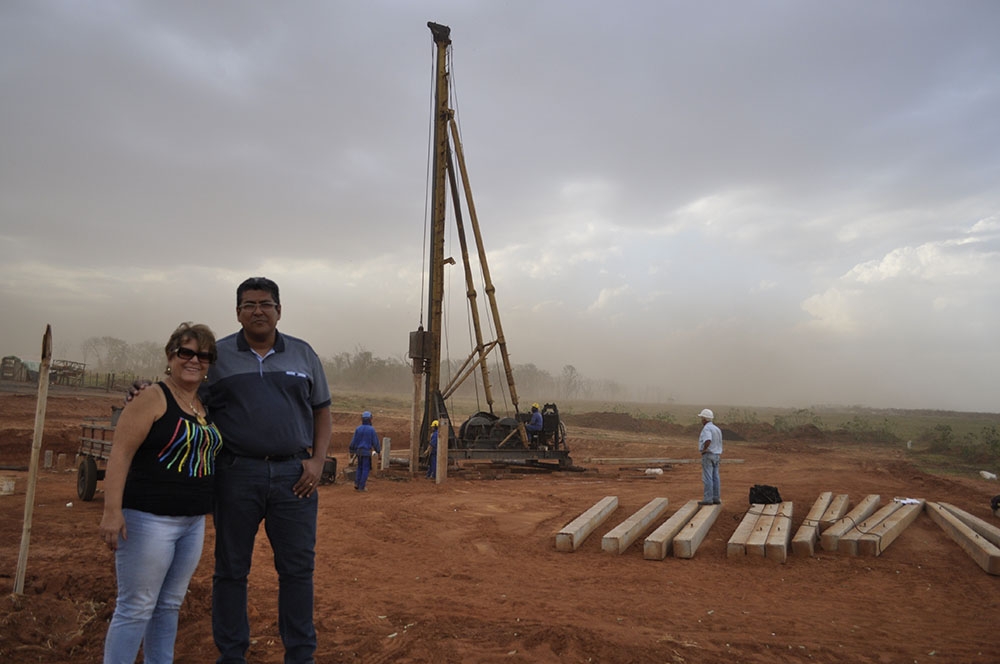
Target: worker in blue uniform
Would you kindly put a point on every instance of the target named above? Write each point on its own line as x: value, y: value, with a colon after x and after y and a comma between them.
x: 433, y: 452
x: 364, y: 444
x: 534, y: 425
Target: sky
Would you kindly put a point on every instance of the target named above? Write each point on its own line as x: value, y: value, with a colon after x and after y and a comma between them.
x: 763, y: 203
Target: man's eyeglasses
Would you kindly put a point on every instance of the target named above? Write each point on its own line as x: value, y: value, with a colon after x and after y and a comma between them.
x: 266, y: 306
x: 186, y: 354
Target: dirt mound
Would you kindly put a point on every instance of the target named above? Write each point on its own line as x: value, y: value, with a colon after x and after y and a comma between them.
x: 624, y: 422
x: 613, y: 421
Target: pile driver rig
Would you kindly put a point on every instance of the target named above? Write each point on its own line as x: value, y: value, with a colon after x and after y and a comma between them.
x: 485, y: 435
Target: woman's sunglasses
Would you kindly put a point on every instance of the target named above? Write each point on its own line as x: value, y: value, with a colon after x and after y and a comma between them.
x: 186, y: 354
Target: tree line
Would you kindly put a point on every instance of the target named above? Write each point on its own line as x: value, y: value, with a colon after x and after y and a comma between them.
x: 363, y: 370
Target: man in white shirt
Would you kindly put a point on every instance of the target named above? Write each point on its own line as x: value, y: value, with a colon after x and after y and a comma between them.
x: 710, y: 446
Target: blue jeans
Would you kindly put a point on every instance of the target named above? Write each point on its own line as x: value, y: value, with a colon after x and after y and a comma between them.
x: 248, y: 491
x: 154, y: 566
x: 361, y: 475
x: 710, y: 477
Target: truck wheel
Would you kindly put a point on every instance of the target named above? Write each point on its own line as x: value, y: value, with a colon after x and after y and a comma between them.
x: 86, y: 479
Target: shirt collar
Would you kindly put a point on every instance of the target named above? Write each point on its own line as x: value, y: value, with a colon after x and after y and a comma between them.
x: 243, y: 345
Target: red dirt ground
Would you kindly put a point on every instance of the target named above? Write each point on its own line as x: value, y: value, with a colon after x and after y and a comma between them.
x: 467, y: 571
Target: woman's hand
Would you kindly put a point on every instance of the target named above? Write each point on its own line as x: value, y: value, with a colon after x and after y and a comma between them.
x: 113, y: 525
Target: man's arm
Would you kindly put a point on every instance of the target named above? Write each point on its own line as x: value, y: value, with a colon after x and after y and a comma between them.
x: 312, y: 468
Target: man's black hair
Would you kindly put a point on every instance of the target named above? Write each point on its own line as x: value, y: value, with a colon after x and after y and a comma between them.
x: 257, y: 283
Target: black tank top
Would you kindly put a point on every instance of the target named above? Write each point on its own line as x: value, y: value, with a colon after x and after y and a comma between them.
x: 173, y: 471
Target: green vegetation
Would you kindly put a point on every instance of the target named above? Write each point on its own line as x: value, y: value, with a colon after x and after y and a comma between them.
x: 799, y: 418
x: 933, y: 439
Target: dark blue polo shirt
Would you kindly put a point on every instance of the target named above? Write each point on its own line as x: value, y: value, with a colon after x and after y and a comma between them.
x: 265, y: 406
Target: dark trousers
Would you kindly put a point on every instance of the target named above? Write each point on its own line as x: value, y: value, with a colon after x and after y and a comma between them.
x: 247, y: 492
x: 432, y: 463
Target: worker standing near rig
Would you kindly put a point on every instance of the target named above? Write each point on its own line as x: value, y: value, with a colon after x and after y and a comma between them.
x: 364, y: 444
x: 432, y: 465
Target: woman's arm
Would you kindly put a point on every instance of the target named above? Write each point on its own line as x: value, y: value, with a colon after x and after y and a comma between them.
x: 132, y: 428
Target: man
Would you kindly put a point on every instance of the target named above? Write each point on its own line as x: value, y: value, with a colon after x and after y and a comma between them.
x: 364, y: 444
x: 267, y: 393
x: 432, y: 453
x: 710, y: 446
x: 534, y: 425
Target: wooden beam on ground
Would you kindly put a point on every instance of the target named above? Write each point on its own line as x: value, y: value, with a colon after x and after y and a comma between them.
x: 628, y: 531
x: 848, y: 542
x: 863, y: 510
x: 659, y: 542
x: 652, y: 461
x: 576, y: 531
x: 737, y: 545
x: 758, y: 538
x: 878, y: 539
x: 987, y: 530
x: 835, y: 512
x: 982, y: 550
x: 691, y: 536
x: 806, y: 537
x: 776, y: 545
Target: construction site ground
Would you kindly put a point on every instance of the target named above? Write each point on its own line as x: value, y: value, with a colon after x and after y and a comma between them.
x: 467, y: 570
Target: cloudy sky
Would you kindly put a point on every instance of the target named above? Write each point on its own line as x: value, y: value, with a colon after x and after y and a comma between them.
x: 785, y: 203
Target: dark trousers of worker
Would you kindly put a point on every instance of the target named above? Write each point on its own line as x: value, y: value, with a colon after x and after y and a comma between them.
x: 361, y: 476
x: 247, y: 492
x: 432, y: 463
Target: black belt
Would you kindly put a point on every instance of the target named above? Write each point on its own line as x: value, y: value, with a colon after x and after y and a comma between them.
x: 280, y: 457
x: 276, y: 458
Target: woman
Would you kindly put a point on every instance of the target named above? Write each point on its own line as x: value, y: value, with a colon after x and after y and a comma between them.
x: 157, y: 490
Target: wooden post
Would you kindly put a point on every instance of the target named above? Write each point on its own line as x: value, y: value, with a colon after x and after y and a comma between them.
x: 442, y: 452
x: 415, y: 422
x: 36, y: 445
x: 386, y: 449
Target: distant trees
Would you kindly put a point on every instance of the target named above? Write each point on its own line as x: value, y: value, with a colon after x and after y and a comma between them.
x: 110, y: 354
x: 361, y: 370
x: 569, y: 382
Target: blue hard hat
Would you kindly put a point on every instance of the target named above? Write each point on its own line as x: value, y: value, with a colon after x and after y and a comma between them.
x: 366, y: 415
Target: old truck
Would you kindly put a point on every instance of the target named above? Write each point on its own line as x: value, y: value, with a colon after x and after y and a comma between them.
x: 95, y: 449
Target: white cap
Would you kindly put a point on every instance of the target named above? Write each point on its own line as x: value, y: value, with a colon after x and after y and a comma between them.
x: 707, y: 414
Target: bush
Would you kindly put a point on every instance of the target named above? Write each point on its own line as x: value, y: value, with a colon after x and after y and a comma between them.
x: 864, y: 431
x: 939, y: 440
x: 982, y: 449
x: 800, y: 418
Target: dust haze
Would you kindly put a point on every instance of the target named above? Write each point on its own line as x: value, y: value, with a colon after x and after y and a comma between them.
x: 779, y: 205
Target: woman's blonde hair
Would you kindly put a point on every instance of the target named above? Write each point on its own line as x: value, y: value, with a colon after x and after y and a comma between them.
x: 187, y: 331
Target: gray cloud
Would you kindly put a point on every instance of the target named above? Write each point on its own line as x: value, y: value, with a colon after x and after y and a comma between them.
x: 769, y: 203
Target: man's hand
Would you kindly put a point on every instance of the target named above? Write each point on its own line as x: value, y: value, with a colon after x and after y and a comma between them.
x: 138, y: 386
x: 312, y: 470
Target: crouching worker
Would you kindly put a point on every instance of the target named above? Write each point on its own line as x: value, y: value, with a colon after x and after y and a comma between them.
x: 364, y: 444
